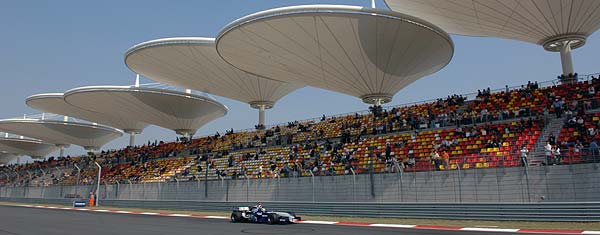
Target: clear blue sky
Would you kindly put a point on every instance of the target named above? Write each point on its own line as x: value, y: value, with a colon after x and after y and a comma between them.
x: 52, y: 46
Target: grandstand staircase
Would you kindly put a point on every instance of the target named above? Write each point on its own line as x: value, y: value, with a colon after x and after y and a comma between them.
x: 536, y: 155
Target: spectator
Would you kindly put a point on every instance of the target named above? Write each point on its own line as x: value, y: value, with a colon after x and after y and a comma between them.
x: 594, y: 150
x: 524, y: 152
x: 548, y: 152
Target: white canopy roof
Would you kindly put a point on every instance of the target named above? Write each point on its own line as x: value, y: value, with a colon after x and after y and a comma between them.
x: 29, y: 147
x: 193, y: 62
x: 55, y: 103
x: 536, y: 21
x: 88, y: 136
x: 363, y: 52
x: 182, y: 112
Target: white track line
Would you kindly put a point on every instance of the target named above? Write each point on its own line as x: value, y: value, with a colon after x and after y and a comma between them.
x: 590, y: 232
x: 148, y: 213
x: 179, y: 215
x: 506, y: 230
x: 392, y: 225
x: 318, y: 222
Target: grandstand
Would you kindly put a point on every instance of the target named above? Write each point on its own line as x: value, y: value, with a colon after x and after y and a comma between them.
x: 446, y: 134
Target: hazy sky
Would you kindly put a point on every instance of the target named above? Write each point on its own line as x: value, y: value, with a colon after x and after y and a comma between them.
x: 52, y: 46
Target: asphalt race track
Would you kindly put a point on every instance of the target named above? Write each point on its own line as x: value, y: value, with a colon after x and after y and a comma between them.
x: 34, y: 221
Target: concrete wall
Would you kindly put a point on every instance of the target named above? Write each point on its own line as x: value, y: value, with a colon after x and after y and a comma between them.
x: 565, y: 183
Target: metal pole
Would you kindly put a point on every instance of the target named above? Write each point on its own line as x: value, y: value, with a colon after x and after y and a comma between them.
x: 78, y: 174
x: 159, y: 194
x: 117, y: 191
x: 459, y: 182
x: 372, y: 3
x: 353, y: 184
x: 177, y: 188
x: 227, y: 190
x: 98, y: 185
x: 527, y: 182
x: 312, y: 178
x: 399, y: 172
x: 61, y: 181
x: 130, y: 188
x: 206, y: 180
x: 247, y: 186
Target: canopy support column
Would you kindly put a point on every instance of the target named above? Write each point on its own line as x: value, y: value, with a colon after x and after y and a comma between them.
x: 62, y: 150
x: 261, y: 116
x: 564, y: 44
x: 137, y: 81
x: 566, y: 59
x: 132, y: 139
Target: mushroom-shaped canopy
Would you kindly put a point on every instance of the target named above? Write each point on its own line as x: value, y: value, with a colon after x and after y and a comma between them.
x: 367, y: 53
x: 542, y: 22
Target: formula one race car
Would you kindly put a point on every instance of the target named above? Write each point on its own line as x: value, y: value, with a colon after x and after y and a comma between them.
x: 257, y: 214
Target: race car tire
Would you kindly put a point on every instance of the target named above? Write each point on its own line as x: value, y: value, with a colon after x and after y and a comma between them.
x: 235, y: 217
x: 273, y: 219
